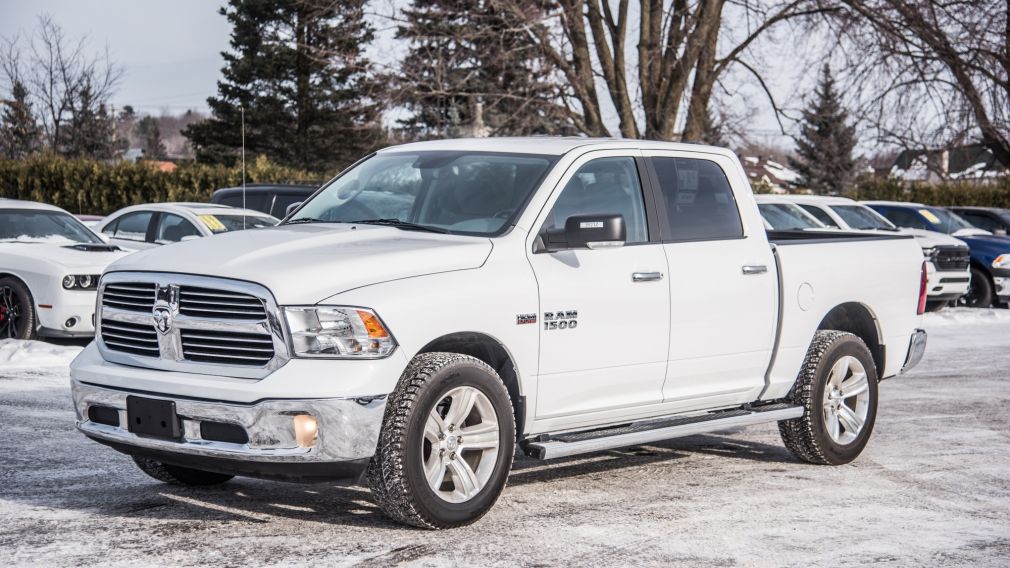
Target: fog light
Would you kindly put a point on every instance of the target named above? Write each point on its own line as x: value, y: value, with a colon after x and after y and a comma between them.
x: 70, y: 323
x: 306, y: 432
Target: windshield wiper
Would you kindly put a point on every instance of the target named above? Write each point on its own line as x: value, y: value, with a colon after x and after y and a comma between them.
x: 400, y: 224
x: 306, y: 220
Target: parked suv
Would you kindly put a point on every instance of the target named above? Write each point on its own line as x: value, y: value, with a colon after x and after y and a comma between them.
x: 441, y: 302
x: 947, y: 257
x: 992, y: 219
x: 272, y: 199
x: 990, y: 255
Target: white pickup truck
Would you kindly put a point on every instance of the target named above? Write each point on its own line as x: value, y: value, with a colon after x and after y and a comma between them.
x: 439, y: 304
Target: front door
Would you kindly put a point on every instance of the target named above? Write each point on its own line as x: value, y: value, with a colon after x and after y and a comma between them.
x: 604, y: 321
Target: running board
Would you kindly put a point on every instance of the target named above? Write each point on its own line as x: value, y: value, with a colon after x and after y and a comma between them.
x: 656, y: 430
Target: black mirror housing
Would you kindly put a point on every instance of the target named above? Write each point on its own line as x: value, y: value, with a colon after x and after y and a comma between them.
x: 588, y: 231
x: 291, y: 208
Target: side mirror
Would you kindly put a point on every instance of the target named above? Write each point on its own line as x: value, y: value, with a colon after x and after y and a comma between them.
x: 291, y: 208
x: 588, y: 231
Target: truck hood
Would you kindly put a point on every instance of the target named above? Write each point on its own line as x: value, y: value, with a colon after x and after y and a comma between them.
x: 930, y: 239
x: 304, y: 264
x: 63, y: 255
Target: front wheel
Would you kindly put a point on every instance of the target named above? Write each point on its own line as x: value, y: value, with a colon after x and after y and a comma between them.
x: 837, y: 387
x: 17, y: 310
x: 979, y: 294
x: 447, y: 443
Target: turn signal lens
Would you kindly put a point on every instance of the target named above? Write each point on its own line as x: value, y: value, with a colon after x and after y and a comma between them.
x: 306, y: 430
x: 373, y: 325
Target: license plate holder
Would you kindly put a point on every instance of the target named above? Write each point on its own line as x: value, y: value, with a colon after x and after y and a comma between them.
x: 153, y: 417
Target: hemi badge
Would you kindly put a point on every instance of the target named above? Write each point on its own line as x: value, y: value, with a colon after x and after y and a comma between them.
x: 526, y: 318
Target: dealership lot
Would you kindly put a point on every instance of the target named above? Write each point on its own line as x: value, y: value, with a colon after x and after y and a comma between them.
x: 932, y: 487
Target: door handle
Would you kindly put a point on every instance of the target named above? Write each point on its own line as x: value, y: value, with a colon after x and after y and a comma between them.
x: 646, y: 276
x: 754, y: 269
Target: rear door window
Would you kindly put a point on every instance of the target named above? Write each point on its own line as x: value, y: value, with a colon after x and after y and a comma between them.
x: 133, y: 226
x: 698, y: 200
x: 903, y: 217
x: 173, y: 228
x: 819, y: 214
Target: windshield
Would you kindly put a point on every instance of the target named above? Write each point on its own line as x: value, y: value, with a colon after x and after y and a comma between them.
x: 788, y: 217
x: 473, y: 193
x: 1005, y: 215
x: 862, y: 218
x: 35, y: 226
x: 944, y: 221
x: 223, y: 223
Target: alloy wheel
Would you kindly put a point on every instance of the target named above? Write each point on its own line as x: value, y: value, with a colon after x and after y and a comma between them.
x: 10, y: 313
x: 846, y: 400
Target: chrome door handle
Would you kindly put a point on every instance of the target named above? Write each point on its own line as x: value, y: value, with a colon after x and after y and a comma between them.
x: 646, y: 276
x: 754, y: 269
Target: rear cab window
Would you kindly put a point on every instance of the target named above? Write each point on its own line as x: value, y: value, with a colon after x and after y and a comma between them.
x: 696, y: 199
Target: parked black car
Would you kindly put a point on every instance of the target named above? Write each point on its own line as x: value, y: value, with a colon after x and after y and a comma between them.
x: 270, y: 198
x: 992, y: 219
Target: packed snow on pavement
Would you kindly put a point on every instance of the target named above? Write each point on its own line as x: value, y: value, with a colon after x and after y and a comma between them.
x: 932, y: 487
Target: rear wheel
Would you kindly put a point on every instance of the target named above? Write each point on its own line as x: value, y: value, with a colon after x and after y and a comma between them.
x: 17, y: 310
x: 447, y: 442
x: 177, y: 475
x: 837, y: 387
x: 980, y: 293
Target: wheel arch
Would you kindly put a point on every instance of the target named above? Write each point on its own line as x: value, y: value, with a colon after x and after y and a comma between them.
x: 495, y: 354
x: 859, y: 320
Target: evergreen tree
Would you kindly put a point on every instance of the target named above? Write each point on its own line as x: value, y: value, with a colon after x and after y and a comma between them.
x: 824, y: 151
x: 20, y: 135
x: 472, y: 69
x: 91, y: 132
x: 297, y: 69
x: 711, y: 131
x: 150, y: 137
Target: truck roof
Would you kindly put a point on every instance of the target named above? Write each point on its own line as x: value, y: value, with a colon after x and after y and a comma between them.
x: 550, y: 145
x: 821, y: 199
x: 21, y: 204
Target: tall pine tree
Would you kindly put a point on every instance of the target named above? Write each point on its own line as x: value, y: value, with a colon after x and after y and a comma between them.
x: 150, y: 138
x: 824, y: 151
x: 91, y: 132
x: 20, y: 135
x: 472, y: 69
x: 297, y: 69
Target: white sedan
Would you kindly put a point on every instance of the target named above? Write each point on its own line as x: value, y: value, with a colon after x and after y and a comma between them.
x: 141, y: 227
x: 49, y: 268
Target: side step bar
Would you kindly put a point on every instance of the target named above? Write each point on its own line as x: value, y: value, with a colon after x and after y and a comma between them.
x: 656, y: 430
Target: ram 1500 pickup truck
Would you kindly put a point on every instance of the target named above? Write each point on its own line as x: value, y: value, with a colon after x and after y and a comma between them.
x: 439, y: 304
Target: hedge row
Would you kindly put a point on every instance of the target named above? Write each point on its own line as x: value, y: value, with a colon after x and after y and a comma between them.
x: 990, y: 194
x: 99, y: 188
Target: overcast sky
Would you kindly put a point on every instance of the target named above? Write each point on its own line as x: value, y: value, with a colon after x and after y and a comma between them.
x: 170, y: 51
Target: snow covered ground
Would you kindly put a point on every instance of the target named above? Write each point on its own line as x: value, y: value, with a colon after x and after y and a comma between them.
x: 932, y: 488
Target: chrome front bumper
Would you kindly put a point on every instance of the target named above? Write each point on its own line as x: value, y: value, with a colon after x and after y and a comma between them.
x: 916, y: 349
x: 348, y: 430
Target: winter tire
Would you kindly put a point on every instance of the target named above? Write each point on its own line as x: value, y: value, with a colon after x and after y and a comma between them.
x: 18, y: 319
x: 837, y: 386
x: 979, y: 294
x: 447, y: 443
x: 177, y: 475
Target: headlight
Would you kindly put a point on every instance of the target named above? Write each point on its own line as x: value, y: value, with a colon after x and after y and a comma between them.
x: 337, y: 332
x: 80, y: 282
x: 928, y: 253
x: 1002, y: 261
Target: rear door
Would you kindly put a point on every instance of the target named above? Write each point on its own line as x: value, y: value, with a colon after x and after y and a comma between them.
x: 723, y: 284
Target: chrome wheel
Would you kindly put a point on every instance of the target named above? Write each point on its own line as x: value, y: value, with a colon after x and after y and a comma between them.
x: 460, y: 444
x: 846, y: 400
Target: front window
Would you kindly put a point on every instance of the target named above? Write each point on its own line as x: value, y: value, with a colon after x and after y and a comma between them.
x: 227, y: 222
x: 944, y: 221
x: 788, y: 217
x: 605, y: 186
x: 862, y: 218
x: 471, y: 193
x: 34, y: 226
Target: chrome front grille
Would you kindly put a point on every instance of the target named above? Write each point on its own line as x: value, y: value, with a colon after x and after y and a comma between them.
x: 189, y: 323
x: 128, y: 337
x: 213, y: 303
x: 226, y: 347
x: 130, y: 296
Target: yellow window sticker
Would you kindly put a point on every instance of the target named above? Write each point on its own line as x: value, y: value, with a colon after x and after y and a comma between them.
x: 929, y: 216
x: 213, y: 223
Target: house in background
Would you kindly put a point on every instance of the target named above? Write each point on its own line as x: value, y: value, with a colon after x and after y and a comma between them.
x: 973, y: 162
x: 764, y: 172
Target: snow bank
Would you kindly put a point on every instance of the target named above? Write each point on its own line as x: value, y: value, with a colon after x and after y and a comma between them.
x: 19, y: 354
x: 959, y: 316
